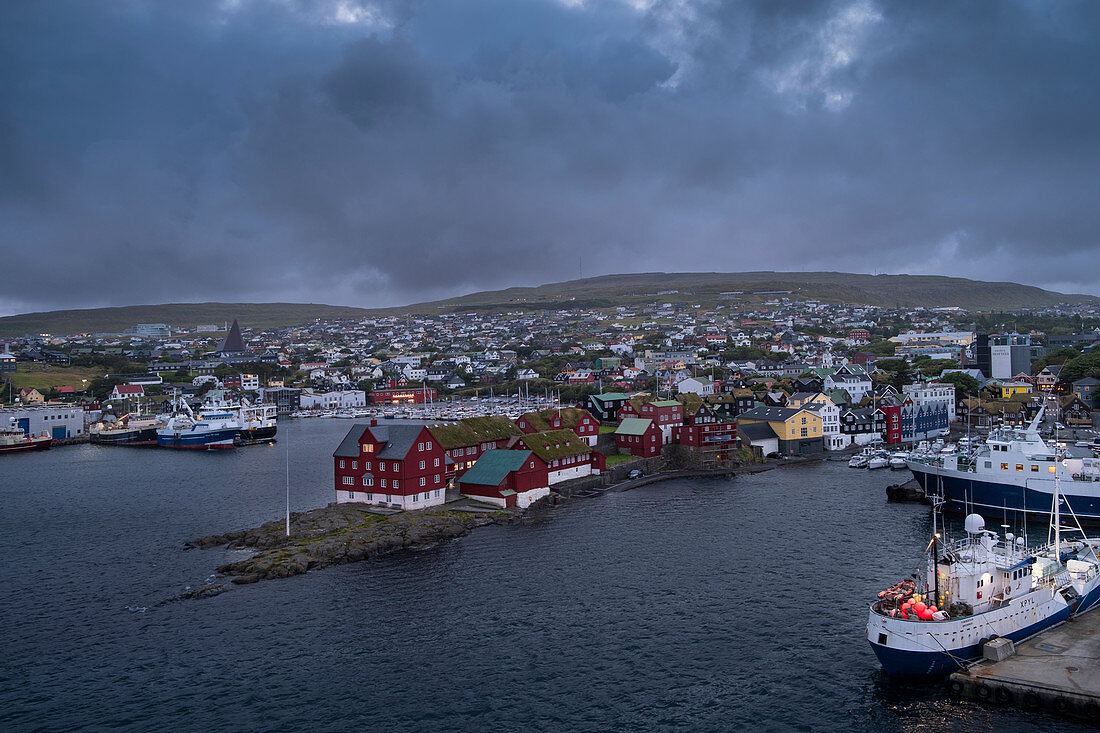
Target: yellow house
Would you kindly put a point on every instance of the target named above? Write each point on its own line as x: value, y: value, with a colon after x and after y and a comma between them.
x: 31, y: 397
x: 1010, y: 388
x: 804, y: 399
x: 799, y: 430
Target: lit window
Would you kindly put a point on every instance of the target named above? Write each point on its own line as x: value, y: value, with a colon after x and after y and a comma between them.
x: 1004, y: 466
x: 1050, y: 469
x: 1035, y: 469
x: 1019, y: 467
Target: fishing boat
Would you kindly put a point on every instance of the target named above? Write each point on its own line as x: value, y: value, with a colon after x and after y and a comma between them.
x: 1013, y: 474
x: 857, y: 461
x: 898, y: 459
x: 131, y: 429
x: 212, y: 429
x: 14, y: 439
x: 258, y: 422
x: 977, y: 589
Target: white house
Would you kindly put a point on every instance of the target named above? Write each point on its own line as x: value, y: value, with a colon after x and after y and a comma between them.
x: 701, y: 387
x: 852, y: 378
x: 925, y: 393
x: 311, y: 400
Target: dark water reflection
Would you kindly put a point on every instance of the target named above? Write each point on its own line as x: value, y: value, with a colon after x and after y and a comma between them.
x: 697, y: 605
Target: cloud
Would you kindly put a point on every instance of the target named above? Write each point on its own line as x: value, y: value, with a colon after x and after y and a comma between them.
x: 383, y: 153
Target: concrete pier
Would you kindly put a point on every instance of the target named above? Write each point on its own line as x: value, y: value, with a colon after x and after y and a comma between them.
x: 1057, y: 671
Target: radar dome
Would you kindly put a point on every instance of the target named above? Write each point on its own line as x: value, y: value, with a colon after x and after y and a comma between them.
x: 974, y: 523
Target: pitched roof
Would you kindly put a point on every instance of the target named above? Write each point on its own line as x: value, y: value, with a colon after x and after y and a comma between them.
x: 473, y: 430
x: 610, y: 396
x: 771, y: 414
x: 633, y: 426
x: 555, y: 444
x: 756, y: 431
x: 570, y: 417
x: 494, y: 466
x: 232, y: 341
x: 349, y: 446
x: 665, y: 403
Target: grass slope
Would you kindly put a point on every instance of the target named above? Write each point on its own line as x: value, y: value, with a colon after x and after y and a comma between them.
x: 705, y: 288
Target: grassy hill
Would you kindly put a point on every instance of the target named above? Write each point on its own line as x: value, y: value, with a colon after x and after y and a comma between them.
x: 705, y: 288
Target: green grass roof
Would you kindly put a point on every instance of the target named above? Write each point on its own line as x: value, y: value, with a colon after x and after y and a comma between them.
x: 473, y: 430
x: 555, y: 444
x: 570, y: 417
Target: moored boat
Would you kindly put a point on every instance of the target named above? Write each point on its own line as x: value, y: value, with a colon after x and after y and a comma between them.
x: 14, y: 439
x: 1013, y: 474
x: 130, y: 429
x: 211, y: 430
x: 975, y: 590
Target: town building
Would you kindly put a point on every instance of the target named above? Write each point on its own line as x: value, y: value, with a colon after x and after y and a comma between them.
x: 605, y: 407
x: 402, y: 395
x: 566, y: 455
x: 640, y: 437
x: 465, y: 441
x: 1087, y: 390
x: 707, y: 432
x: 57, y: 421
x: 932, y: 393
x: 579, y: 421
x: 799, y: 430
x: 397, y: 466
x: 1074, y: 411
x: 701, y: 387
x: 338, y: 400
x: 507, y: 478
x: 126, y: 392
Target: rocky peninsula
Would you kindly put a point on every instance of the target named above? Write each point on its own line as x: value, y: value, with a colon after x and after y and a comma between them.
x: 337, y: 534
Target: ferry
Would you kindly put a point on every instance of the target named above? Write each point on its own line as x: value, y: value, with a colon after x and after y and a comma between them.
x: 14, y: 439
x: 212, y: 429
x: 975, y: 590
x: 1012, y: 475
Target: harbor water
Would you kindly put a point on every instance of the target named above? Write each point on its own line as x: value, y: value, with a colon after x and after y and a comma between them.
x: 686, y: 605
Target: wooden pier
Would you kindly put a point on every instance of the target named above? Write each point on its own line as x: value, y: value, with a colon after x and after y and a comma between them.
x: 1057, y: 671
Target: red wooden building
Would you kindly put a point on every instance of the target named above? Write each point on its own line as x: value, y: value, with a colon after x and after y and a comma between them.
x: 705, y: 430
x: 507, y: 478
x: 892, y: 434
x: 464, y: 441
x: 400, y: 466
x: 565, y: 454
x: 579, y: 421
x: 402, y: 395
x: 639, y: 437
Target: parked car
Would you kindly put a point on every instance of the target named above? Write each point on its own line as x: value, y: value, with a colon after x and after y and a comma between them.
x: 636, y: 473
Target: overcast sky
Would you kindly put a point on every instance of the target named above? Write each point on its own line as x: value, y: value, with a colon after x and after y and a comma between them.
x: 381, y: 153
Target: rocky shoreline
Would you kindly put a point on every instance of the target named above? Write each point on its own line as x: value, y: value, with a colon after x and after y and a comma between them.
x: 334, y: 535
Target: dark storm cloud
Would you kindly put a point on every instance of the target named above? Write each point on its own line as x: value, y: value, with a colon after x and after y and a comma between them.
x: 338, y: 151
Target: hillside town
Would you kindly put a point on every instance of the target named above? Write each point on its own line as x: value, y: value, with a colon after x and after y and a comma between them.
x: 571, y: 389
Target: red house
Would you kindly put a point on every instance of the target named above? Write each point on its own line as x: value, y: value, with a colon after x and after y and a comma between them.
x: 507, y: 478
x: 399, y: 466
x: 579, y: 421
x: 665, y: 414
x: 565, y: 454
x: 892, y: 434
x: 465, y: 441
x: 639, y: 437
x: 705, y: 430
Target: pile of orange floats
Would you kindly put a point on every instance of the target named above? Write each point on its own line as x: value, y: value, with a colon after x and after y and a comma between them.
x: 915, y: 609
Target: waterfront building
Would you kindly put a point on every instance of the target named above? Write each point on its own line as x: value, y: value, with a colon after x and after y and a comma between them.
x: 57, y: 421
x: 666, y: 414
x: 338, y: 400
x: 853, y: 379
x: 397, y: 466
x: 799, y: 429
x: 465, y: 441
x: 579, y: 421
x: 31, y: 396
x: 402, y: 395
x: 640, y: 437
x: 928, y: 393
x: 706, y: 431
x: 286, y: 399
x: 507, y: 478
x: 566, y: 455
x: 819, y: 402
